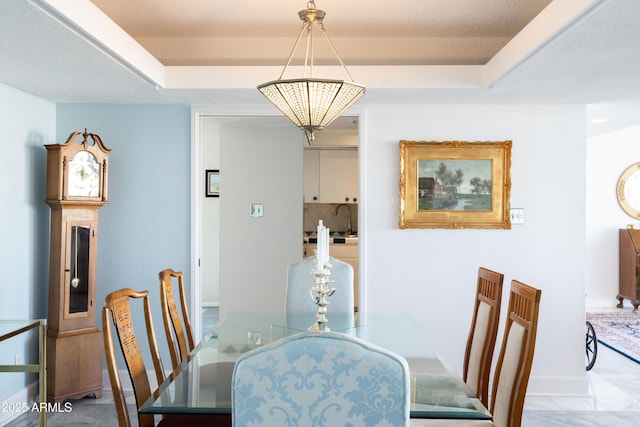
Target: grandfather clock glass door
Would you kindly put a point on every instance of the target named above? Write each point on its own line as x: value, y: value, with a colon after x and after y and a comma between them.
x: 77, y: 294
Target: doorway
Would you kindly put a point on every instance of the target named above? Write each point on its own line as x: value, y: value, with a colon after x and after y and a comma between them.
x: 254, y: 155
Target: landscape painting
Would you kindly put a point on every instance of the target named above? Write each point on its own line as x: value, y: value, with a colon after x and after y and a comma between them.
x: 455, y: 184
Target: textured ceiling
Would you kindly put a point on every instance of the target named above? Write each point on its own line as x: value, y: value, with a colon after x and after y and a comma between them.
x: 215, y: 52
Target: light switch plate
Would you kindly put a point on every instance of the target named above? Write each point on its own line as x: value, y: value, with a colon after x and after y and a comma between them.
x: 257, y: 210
x: 254, y: 338
x: 517, y: 216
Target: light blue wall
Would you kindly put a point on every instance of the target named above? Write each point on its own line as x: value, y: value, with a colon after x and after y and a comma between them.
x: 145, y: 228
x: 26, y: 124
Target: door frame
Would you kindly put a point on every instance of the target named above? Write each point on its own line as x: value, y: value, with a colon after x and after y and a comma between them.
x: 197, y: 189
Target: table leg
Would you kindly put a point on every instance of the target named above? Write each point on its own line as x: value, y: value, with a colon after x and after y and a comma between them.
x: 43, y: 371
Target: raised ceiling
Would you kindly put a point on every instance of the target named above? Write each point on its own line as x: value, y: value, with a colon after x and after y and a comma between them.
x: 215, y: 52
x: 232, y: 32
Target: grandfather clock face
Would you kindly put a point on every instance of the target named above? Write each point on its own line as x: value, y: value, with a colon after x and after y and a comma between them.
x: 84, y: 175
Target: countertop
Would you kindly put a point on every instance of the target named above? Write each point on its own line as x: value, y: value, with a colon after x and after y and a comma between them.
x: 333, y: 240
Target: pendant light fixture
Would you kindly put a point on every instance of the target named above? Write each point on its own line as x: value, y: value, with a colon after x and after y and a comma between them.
x: 310, y: 103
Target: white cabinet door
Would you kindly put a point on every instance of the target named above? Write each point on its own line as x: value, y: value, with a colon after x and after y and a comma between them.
x: 338, y: 176
x: 331, y: 176
x: 346, y: 253
x: 349, y: 254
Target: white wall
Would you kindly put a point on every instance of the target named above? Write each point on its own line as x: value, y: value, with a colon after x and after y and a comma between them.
x: 608, y: 155
x: 210, y: 261
x: 427, y: 273
x: 258, y: 164
x: 431, y: 273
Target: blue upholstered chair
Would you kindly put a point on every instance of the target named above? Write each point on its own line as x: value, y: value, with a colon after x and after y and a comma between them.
x: 299, y: 307
x: 320, y: 379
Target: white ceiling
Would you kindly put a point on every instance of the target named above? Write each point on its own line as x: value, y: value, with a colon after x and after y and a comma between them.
x: 215, y: 52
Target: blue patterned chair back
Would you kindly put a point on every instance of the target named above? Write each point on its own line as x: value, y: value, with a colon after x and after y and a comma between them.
x: 320, y: 379
x: 299, y: 307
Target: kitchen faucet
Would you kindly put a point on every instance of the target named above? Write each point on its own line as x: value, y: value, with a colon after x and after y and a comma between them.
x: 335, y: 212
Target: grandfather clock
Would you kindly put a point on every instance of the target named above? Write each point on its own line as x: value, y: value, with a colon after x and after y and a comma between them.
x: 76, y: 189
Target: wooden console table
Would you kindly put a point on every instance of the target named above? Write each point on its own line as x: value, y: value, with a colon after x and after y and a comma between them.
x: 629, y: 288
x: 11, y: 328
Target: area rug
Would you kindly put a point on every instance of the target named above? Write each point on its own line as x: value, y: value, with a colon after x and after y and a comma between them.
x: 618, y: 331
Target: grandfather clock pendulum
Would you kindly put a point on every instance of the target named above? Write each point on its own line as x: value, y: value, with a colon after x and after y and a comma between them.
x: 76, y: 189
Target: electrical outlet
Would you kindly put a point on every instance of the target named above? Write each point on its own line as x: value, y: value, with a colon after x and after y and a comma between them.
x: 19, y: 359
x: 517, y: 216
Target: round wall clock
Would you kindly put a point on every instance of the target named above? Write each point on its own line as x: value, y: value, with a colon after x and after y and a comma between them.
x: 628, y: 190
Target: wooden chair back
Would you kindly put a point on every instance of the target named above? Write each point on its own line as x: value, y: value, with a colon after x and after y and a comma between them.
x: 178, y: 331
x: 483, y: 333
x: 516, y: 355
x: 117, y: 312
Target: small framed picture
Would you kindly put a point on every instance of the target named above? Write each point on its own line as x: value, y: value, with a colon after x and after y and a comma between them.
x: 212, y: 183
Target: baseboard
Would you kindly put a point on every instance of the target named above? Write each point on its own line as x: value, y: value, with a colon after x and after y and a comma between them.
x: 15, y: 405
x: 558, y: 386
x: 208, y: 304
x: 125, y: 380
x: 592, y: 303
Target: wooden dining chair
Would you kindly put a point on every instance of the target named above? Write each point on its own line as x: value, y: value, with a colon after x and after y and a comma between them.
x: 117, y: 312
x: 514, y: 362
x: 483, y: 333
x: 300, y: 310
x: 516, y: 355
x: 320, y: 378
x: 178, y: 331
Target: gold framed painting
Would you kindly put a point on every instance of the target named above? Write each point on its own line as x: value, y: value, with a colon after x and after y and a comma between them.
x: 455, y: 184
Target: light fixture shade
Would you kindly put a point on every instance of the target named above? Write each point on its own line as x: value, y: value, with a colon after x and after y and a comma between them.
x: 311, y: 104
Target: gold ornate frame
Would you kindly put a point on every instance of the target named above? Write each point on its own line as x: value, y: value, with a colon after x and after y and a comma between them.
x: 455, y: 152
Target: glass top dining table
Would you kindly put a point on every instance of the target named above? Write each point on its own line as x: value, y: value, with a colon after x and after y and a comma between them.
x: 202, y: 383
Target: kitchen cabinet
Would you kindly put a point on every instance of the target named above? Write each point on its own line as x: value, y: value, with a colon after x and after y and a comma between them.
x: 330, y: 176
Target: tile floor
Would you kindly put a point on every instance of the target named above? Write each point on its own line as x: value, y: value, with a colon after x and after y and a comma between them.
x: 613, y: 400
x: 613, y: 396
